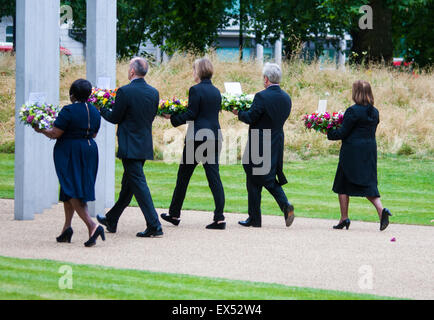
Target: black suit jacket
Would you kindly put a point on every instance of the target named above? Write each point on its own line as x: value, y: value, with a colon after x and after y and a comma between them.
x: 358, y: 155
x: 134, y: 111
x: 270, y: 109
x: 204, y: 105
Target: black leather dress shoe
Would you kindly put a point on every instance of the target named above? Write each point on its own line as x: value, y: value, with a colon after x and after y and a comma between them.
x: 384, y: 222
x: 169, y: 218
x: 289, y: 214
x: 111, y: 227
x: 217, y: 226
x: 151, y: 233
x: 250, y: 223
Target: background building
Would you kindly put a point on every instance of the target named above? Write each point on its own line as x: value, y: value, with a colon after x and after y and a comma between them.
x: 6, y: 31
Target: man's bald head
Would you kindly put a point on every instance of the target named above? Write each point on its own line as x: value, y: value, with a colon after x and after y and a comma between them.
x: 140, y: 66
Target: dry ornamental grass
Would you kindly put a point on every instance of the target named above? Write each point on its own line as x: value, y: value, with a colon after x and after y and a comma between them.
x: 405, y: 101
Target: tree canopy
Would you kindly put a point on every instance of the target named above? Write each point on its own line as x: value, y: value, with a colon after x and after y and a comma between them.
x: 400, y: 27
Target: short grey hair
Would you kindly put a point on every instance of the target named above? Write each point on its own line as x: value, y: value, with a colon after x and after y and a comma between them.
x: 273, y: 72
x: 140, y: 66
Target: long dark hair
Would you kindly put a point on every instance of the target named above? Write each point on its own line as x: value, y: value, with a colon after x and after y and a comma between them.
x: 362, y: 93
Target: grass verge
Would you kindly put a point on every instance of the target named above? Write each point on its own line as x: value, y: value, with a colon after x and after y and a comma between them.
x: 405, y: 186
x: 39, y: 279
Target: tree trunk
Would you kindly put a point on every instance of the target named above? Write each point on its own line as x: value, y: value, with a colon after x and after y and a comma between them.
x: 287, y: 50
x: 375, y: 44
x: 241, y: 36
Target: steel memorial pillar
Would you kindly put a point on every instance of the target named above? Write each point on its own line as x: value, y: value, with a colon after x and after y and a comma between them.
x: 101, y: 71
x: 37, y: 77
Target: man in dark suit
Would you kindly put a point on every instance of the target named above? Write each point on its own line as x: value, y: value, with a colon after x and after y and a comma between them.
x: 266, y: 117
x: 134, y: 111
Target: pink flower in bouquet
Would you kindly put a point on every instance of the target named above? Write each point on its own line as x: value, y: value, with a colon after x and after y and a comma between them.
x: 107, y: 95
x: 323, y: 122
x: 30, y: 119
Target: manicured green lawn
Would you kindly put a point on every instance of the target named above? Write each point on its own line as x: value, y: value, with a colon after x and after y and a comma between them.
x: 405, y: 186
x: 39, y: 279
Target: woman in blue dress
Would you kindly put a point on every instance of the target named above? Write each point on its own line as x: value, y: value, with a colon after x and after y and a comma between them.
x: 76, y: 158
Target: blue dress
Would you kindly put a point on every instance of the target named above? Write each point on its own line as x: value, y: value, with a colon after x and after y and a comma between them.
x: 76, y: 153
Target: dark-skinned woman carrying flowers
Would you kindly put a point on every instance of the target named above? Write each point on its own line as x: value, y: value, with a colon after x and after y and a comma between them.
x: 76, y: 158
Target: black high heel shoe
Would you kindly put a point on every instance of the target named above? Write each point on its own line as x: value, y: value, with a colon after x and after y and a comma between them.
x: 65, y: 236
x: 344, y: 224
x: 384, y: 221
x: 92, y: 240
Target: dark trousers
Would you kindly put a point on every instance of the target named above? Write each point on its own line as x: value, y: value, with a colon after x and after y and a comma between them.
x: 134, y: 184
x: 185, y: 172
x: 254, y: 198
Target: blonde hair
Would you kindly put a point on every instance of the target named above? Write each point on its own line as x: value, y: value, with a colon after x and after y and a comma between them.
x: 203, y: 68
x: 362, y: 93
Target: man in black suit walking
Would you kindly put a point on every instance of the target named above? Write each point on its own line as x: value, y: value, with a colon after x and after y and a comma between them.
x: 134, y: 111
x: 266, y: 117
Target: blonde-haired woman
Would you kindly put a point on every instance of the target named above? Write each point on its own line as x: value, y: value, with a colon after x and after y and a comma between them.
x: 202, y: 143
x: 357, y: 169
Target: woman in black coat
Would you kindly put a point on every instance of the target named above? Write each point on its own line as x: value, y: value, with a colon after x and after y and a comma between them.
x: 202, y: 143
x: 357, y: 169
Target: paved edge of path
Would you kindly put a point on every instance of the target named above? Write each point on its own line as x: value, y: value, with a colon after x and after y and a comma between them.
x: 308, y: 254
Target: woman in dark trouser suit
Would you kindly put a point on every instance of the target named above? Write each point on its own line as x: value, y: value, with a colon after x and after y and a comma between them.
x: 357, y: 169
x: 204, y: 105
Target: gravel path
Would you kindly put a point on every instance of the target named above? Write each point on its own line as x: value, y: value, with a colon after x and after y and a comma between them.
x: 308, y: 254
